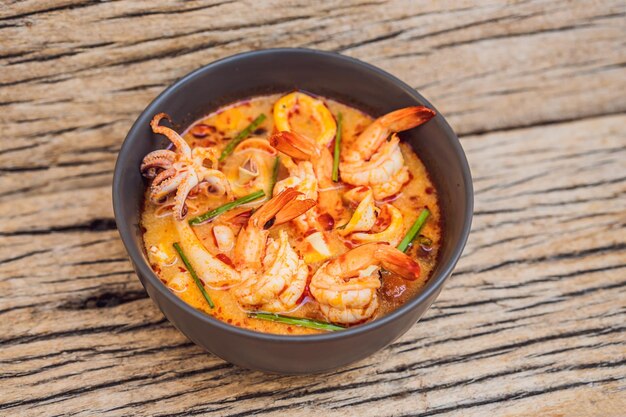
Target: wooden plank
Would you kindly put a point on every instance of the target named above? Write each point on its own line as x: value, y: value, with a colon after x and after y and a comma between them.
x: 532, y: 322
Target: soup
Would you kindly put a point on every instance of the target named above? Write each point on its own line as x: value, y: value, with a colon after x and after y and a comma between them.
x: 291, y: 214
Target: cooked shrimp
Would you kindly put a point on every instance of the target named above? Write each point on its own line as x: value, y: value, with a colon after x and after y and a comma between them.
x: 345, y: 287
x: 304, y: 149
x: 320, y: 113
x: 251, y: 242
x: 281, y: 284
x: 302, y: 179
x: 372, y: 160
x: 275, y: 276
x: 385, y: 172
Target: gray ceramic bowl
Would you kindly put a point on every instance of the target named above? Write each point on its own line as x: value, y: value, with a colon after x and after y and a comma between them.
x: 281, y: 70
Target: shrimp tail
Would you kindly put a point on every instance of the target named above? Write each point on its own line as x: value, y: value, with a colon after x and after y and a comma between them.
x: 357, y: 259
x: 397, y: 261
x: 292, y: 210
x: 294, y: 145
x: 281, y: 208
x: 407, y: 118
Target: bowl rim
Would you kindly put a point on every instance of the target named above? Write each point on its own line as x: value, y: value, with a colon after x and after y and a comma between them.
x: 142, y: 267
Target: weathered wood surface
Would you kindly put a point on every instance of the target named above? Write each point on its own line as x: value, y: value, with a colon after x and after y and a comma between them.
x: 532, y: 322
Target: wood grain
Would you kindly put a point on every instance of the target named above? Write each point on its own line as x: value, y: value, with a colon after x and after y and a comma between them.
x: 532, y: 322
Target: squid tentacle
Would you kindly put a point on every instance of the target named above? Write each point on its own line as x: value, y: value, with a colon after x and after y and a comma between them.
x: 168, y: 182
x: 186, y: 185
x: 174, y: 137
x: 159, y: 159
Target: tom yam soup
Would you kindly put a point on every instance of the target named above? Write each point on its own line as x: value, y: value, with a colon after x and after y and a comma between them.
x: 291, y: 214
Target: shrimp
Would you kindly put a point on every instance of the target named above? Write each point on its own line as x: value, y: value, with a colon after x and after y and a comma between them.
x: 281, y: 284
x: 302, y: 148
x: 251, y: 242
x: 302, y: 178
x: 319, y: 158
x: 275, y: 276
x: 345, y: 287
x: 372, y: 160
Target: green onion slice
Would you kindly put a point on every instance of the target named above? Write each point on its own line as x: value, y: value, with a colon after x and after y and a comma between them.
x: 193, y: 274
x: 228, y: 206
x: 296, y: 321
x: 241, y: 136
x: 337, y: 150
x: 414, y: 230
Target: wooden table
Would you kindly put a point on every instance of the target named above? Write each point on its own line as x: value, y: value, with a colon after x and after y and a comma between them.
x: 531, y: 323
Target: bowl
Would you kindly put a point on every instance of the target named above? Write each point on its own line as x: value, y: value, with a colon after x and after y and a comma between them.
x: 332, y: 75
